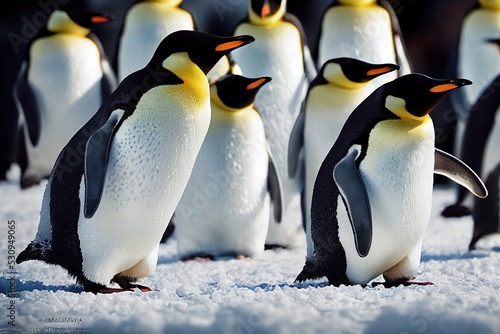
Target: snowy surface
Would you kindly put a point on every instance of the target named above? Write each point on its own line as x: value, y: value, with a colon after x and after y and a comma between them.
x: 257, y: 296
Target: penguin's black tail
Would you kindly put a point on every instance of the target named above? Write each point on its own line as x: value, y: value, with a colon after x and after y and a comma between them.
x: 36, y: 251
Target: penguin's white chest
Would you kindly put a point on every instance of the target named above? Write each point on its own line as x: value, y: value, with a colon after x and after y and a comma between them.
x: 152, y: 155
x: 398, y: 173
x: 478, y: 59
x: 327, y: 109
x: 65, y: 75
x: 364, y: 33
x: 225, y: 207
x: 277, y: 52
x: 146, y: 25
x: 279, y: 48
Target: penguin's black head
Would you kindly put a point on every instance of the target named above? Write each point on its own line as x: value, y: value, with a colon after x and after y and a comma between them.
x: 84, y: 16
x: 347, y: 72
x: 203, y: 49
x: 421, y: 93
x: 238, y: 92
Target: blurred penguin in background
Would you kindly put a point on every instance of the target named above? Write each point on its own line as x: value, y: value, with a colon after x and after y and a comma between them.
x: 367, y: 30
x: 224, y: 210
x: 145, y: 25
x: 65, y: 77
x: 476, y: 58
x: 281, y: 52
x: 479, y: 146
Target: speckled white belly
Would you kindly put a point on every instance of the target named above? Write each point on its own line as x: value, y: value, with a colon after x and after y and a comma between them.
x: 151, y: 158
x: 398, y: 177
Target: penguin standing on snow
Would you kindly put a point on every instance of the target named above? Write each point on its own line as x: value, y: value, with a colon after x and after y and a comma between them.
x: 145, y: 25
x: 281, y: 52
x: 225, y: 208
x: 367, y: 30
x: 337, y: 90
x: 116, y: 184
x: 64, y: 80
x: 372, y: 197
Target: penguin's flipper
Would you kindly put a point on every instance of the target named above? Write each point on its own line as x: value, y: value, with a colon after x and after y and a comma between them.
x: 275, y: 190
x: 296, y: 142
x: 26, y: 100
x: 108, y: 80
x: 96, y: 162
x: 355, y: 196
x: 453, y: 168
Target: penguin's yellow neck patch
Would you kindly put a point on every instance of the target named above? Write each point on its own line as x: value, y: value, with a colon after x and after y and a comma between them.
x: 194, y: 79
x: 397, y: 106
x: 490, y: 4
x: 60, y: 22
x: 173, y: 3
x: 334, y: 75
x: 357, y: 3
x: 256, y: 19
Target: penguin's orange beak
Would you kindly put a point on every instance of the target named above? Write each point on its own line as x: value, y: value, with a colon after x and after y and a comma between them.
x: 266, y: 10
x: 443, y: 88
x: 257, y: 83
x: 229, y: 45
x: 377, y: 71
x: 235, y: 43
x: 99, y: 19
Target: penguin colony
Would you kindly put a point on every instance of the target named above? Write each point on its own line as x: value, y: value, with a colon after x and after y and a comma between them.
x: 265, y: 150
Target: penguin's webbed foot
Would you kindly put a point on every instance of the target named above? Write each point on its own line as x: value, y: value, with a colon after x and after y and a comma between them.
x: 96, y: 288
x: 456, y: 211
x: 125, y: 282
x: 309, y: 271
x: 28, y: 181
x: 389, y: 285
x: 199, y: 258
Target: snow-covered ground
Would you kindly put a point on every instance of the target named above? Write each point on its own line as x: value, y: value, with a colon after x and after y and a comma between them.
x: 256, y: 296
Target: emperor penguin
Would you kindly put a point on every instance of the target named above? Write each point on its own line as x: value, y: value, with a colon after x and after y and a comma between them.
x: 479, y: 148
x: 224, y: 210
x: 63, y: 81
x: 281, y: 52
x: 372, y: 197
x: 478, y: 59
x: 367, y: 30
x: 117, y: 182
x: 145, y: 25
x: 337, y: 90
